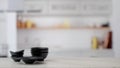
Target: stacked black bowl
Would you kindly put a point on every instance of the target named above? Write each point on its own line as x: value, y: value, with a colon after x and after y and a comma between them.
x: 16, y: 56
x: 39, y: 52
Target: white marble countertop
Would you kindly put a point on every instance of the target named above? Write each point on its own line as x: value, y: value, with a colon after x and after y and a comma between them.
x: 63, y: 62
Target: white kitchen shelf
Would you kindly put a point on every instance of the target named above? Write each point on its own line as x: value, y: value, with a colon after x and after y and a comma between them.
x: 53, y: 28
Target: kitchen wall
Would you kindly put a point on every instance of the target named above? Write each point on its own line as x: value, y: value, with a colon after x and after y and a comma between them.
x: 55, y: 12
x: 115, y: 24
x: 61, y: 39
x: 58, y: 40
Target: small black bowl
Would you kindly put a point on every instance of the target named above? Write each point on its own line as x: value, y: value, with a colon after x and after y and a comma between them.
x: 28, y: 60
x: 17, y: 53
x: 16, y: 56
x: 39, y: 52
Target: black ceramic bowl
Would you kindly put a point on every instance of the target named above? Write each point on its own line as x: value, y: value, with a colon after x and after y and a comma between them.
x: 29, y: 60
x: 39, y: 52
x: 17, y: 53
x: 16, y: 56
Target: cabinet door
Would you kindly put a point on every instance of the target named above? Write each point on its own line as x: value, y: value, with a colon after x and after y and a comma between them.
x: 97, y: 7
x: 65, y: 7
x: 40, y: 6
x: 80, y: 7
x: 3, y: 5
x: 15, y: 5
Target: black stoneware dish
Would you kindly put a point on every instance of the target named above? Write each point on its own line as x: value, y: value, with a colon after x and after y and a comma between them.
x: 16, y: 56
x: 30, y: 60
x: 17, y: 53
x: 39, y: 52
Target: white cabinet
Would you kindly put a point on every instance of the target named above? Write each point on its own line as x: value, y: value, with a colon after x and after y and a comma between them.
x: 98, y: 7
x: 38, y: 6
x: 15, y: 5
x: 80, y: 7
x: 11, y: 5
x: 3, y: 5
x: 65, y: 7
x: 7, y: 32
x: 59, y: 7
x: 3, y: 35
x: 69, y: 7
x: 11, y: 31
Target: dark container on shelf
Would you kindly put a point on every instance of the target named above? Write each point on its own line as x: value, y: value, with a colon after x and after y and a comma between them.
x: 108, y: 41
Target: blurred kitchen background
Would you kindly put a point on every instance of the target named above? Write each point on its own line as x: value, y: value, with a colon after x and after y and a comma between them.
x: 76, y: 28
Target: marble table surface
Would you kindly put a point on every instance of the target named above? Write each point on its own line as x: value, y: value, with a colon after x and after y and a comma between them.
x: 65, y: 62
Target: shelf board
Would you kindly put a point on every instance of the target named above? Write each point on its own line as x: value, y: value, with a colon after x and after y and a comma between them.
x: 64, y: 28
